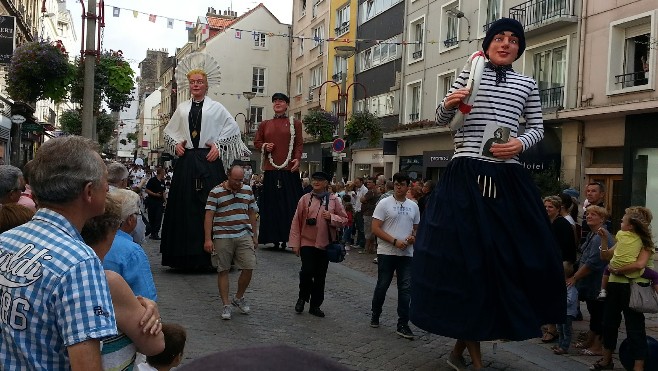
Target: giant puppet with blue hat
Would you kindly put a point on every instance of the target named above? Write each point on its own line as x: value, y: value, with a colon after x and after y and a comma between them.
x: 280, y: 142
x: 486, y: 265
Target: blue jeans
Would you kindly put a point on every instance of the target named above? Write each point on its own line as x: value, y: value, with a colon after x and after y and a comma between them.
x: 565, y: 333
x: 386, y: 266
x: 346, y: 238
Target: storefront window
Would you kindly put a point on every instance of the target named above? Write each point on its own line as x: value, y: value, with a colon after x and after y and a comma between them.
x: 412, y: 166
x: 645, y: 180
x: 362, y: 170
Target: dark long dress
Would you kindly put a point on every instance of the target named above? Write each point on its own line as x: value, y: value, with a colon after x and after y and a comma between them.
x: 486, y: 265
x: 182, y: 228
x: 281, y: 191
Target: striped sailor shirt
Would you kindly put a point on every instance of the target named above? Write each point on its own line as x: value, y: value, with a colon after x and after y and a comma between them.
x: 501, y: 105
x: 231, y: 211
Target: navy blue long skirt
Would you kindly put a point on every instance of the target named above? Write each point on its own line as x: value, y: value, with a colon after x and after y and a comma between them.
x: 486, y: 265
x: 278, y: 200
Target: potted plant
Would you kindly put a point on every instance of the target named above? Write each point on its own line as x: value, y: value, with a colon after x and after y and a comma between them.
x: 320, y: 124
x: 39, y: 70
x: 363, y: 125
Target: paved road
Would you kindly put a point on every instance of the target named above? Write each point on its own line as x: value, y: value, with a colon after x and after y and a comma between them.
x: 192, y: 300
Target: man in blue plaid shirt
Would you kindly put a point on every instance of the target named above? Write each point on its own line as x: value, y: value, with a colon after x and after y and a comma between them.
x: 55, y: 304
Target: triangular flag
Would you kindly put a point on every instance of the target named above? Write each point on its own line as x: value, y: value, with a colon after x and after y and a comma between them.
x: 152, y: 18
x: 205, y: 29
x: 135, y: 13
x: 189, y: 25
x: 116, y: 11
x: 238, y: 34
x: 170, y: 23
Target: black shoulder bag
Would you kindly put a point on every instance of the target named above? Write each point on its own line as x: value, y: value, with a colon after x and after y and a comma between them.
x: 335, y: 250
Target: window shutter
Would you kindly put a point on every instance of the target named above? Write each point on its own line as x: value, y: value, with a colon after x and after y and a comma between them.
x: 641, y: 29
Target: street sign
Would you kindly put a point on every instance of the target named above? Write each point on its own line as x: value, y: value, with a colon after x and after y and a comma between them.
x: 18, y: 119
x: 338, y: 145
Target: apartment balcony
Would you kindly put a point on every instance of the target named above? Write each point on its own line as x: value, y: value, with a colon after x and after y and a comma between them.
x: 337, y: 77
x: 631, y: 79
x: 450, y: 42
x: 544, y: 15
x: 552, y: 98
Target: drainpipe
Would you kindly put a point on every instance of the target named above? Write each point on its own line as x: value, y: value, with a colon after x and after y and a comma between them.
x: 582, y: 31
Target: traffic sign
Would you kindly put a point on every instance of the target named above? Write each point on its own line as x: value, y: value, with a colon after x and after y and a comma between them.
x: 338, y: 145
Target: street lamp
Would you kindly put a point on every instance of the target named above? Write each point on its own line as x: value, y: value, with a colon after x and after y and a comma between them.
x: 249, y: 95
x: 456, y: 13
x: 345, y: 52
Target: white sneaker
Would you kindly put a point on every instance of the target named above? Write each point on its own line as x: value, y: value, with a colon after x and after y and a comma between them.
x: 226, y: 312
x: 602, y: 295
x: 241, y: 304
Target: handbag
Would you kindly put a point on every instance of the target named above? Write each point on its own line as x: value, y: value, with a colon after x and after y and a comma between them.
x: 335, y: 250
x: 643, y: 298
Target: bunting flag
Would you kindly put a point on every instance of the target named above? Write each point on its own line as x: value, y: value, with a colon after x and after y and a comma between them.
x: 116, y: 11
x: 152, y: 18
x: 170, y: 23
x: 238, y: 34
x: 205, y: 28
x: 189, y: 25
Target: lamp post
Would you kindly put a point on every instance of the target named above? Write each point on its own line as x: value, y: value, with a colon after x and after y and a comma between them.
x: 248, y: 118
x: 345, y: 52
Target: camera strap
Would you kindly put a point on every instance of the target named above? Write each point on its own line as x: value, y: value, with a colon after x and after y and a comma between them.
x: 326, y: 206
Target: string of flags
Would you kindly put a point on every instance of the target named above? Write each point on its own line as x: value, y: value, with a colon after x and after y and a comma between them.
x: 205, y: 27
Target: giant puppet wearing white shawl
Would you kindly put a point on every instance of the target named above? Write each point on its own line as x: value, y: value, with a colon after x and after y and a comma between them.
x: 217, y: 127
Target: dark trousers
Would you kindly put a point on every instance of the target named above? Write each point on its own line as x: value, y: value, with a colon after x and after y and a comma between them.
x: 386, y: 266
x: 358, y: 225
x: 595, y: 309
x: 616, y: 303
x: 155, y: 211
x: 312, y: 275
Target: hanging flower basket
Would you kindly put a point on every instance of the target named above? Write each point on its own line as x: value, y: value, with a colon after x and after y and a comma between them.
x: 320, y: 124
x: 39, y: 70
x: 363, y: 125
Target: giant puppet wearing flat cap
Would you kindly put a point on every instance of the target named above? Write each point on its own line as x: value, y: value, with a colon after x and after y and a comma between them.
x: 280, y: 142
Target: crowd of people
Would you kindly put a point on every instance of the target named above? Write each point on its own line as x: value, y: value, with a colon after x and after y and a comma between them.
x: 78, y: 293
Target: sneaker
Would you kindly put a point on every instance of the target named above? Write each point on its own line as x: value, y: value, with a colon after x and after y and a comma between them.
x: 374, y: 321
x: 405, y: 332
x: 241, y: 304
x: 457, y: 362
x: 226, y: 312
x: 602, y: 295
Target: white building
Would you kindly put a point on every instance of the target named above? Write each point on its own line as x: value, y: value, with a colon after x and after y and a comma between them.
x: 127, y: 124
x: 148, y: 125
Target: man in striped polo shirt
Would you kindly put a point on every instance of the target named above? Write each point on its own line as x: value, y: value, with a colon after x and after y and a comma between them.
x: 230, y: 235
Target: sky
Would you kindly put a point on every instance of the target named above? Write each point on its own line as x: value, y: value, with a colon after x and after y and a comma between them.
x: 133, y: 36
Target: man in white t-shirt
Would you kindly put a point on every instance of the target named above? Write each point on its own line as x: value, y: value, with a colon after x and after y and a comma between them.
x: 394, y: 222
x: 361, y: 190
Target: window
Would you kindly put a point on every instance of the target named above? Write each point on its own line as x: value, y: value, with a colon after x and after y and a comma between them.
x: 381, y: 105
x: 259, y: 40
x: 449, y: 25
x: 340, y: 69
x: 371, y: 8
x: 414, y: 91
x: 258, y: 80
x: 300, y: 84
x: 629, y: 66
x: 297, y: 116
x: 417, y: 32
x: 445, y: 81
x: 318, y: 36
x: 315, y: 10
x: 316, y: 76
x: 256, y: 115
x: 490, y: 10
x: 342, y: 20
x: 549, y: 70
x: 381, y: 53
x: 302, y: 12
x: 300, y: 41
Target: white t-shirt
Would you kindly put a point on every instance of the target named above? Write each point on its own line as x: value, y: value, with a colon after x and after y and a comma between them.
x: 359, y: 193
x: 398, y: 220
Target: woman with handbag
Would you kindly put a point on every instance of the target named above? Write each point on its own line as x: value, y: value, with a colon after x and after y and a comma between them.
x: 314, y: 226
x: 635, y: 246
x: 588, y: 280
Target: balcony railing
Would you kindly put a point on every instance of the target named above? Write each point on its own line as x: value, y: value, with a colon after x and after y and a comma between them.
x: 344, y: 28
x: 552, y: 97
x: 535, y: 12
x: 485, y: 28
x: 417, y: 54
x: 450, y: 42
x: 338, y: 76
x: 632, y: 79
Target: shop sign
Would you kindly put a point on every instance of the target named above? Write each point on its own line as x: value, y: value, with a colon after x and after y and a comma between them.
x: 437, y: 158
x: 7, y: 38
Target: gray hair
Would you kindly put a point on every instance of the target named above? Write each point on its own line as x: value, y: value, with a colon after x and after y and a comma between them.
x: 128, y: 200
x: 63, y: 166
x: 116, y: 172
x: 9, y: 179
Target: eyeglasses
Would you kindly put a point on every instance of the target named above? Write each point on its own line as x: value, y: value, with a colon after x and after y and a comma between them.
x: 197, y: 82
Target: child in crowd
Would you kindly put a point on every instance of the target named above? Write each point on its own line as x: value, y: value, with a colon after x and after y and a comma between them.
x: 347, y: 230
x: 172, y: 355
x: 564, y: 329
x: 635, y: 234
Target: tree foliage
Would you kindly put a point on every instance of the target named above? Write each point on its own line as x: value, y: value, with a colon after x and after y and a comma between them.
x: 549, y: 181
x: 71, y: 123
x: 39, y: 70
x: 113, y: 82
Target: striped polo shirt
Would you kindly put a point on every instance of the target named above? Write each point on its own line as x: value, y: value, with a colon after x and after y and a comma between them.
x: 231, y: 211
x: 501, y: 105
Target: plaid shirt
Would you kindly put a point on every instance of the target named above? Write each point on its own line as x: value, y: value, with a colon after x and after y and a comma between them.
x: 53, y: 294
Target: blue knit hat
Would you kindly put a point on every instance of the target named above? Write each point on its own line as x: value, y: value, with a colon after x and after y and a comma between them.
x: 502, y: 25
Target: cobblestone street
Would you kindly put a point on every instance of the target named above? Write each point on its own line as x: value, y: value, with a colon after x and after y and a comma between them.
x: 344, y: 335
